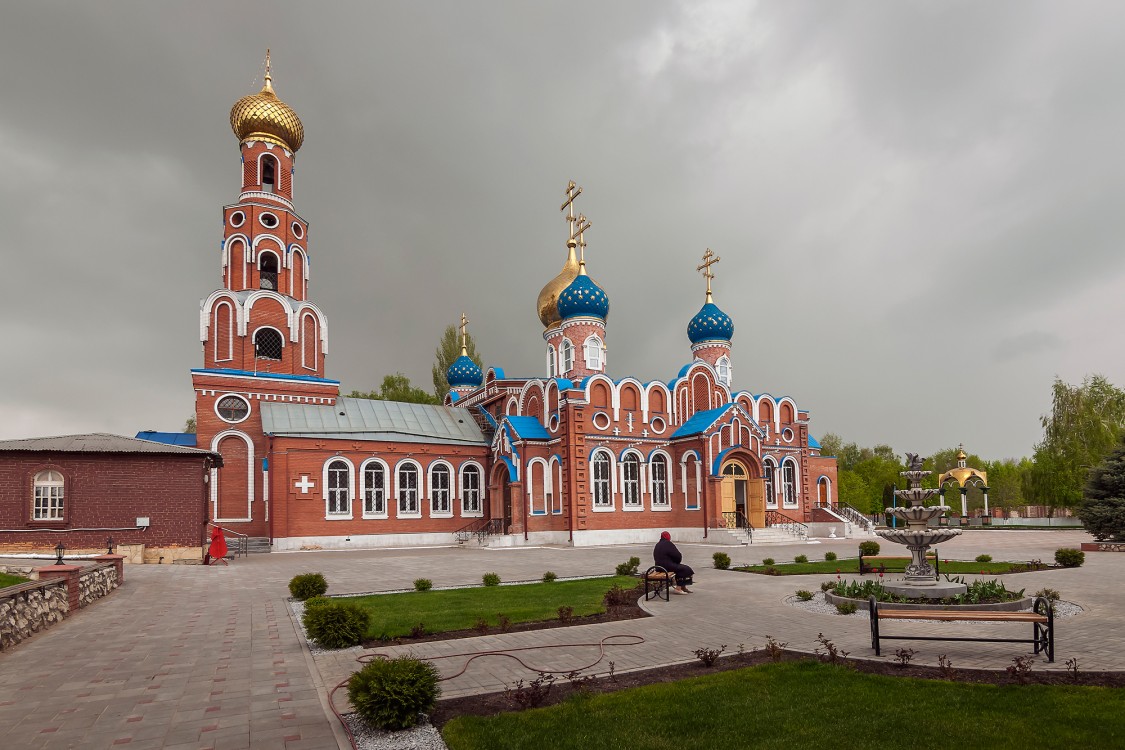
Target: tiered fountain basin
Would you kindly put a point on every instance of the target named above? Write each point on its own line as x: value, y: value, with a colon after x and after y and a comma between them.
x: 919, y: 581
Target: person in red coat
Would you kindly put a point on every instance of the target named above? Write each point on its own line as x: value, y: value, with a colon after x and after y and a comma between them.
x: 668, y: 556
x: 217, y: 552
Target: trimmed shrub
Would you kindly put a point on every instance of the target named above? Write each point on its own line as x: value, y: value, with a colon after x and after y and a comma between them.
x: 984, y: 558
x: 827, y: 585
x: 722, y: 560
x: 767, y: 561
x: 423, y: 584
x: 307, y: 585
x: 868, y: 549
x: 846, y: 608
x: 1068, y: 557
x: 801, y: 559
x: 619, y: 597
x: 336, y: 624
x: 829, y: 556
x: 804, y: 595
x: 549, y: 577
x: 490, y: 579
x: 391, y: 693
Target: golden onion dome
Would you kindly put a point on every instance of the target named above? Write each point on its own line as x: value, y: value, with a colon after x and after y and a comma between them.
x: 264, y: 117
x: 548, y: 303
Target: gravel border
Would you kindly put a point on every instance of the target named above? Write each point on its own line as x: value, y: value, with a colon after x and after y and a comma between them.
x: 422, y: 737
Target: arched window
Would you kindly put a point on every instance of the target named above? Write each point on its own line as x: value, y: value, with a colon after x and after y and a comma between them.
x: 658, y: 469
x: 408, y: 490
x: 339, y: 484
x: 600, y: 471
x: 439, y: 490
x: 48, y: 497
x: 824, y: 492
x: 268, y: 344
x: 470, y: 490
x: 593, y: 353
x: 724, y: 370
x: 770, y: 470
x: 552, y: 363
x: 269, y: 174
x: 789, y: 482
x: 374, y: 489
x: 267, y: 271
x: 631, y: 481
x: 567, y: 350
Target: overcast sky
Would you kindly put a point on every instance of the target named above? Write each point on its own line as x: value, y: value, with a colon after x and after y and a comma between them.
x: 913, y: 202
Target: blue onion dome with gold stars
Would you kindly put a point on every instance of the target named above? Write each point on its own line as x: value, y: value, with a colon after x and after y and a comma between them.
x: 464, y: 373
x: 583, y: 298
x: 710, y: 324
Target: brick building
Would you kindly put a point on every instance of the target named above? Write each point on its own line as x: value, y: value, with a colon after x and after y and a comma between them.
x: 575, y: 456
x: 82, y: 489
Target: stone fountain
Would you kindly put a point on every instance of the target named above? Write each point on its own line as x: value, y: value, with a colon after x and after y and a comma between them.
x: 918, y: 537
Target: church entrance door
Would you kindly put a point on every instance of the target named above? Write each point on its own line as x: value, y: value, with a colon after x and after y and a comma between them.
x: 733, y: 492
x: 507, y: 505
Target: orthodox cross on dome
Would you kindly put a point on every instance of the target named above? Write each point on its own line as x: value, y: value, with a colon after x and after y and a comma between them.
x: 464, y: 335
x: 709, y: 259
x: 572, y: 192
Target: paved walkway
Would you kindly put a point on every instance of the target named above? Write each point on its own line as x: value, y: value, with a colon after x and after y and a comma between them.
x: 193, y: 657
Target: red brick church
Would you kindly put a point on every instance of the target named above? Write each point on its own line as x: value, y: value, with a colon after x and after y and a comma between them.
x: 576, y: 456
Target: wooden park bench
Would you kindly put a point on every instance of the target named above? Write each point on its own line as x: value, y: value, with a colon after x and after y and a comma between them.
x: 865, y: 565
x: 658, y: 583
x: 1042, y: 619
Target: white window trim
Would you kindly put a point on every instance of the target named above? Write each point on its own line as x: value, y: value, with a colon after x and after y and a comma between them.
x: 640, y: 504
x: 698, y: 481
x: 593, y: 345
x: 543, y: 498
x: 667, y: 504
x: 420, y: 489
x: 228, y: 355
x: 552, y: 362
x: 386, y: 487
x: 430, y: 483
x: 214, y: 480
x: 612, y: 507
x: 771, y: 486
x: 796, y: 503
x: 249, y: 408
x: 480, y: 490
x: 566, y: 355
x: 557, y: 499
x: 48, y: 483
x: 350, y: 489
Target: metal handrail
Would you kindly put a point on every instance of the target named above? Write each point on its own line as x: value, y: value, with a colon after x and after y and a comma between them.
x: 242, y: 545
x: 736, y: 519
x: 777, y: 518
x: 855, y: 516
x: 479, y: 528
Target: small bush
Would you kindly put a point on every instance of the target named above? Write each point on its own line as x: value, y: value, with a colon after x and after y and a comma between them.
x: 504, y: 622
x: 722, y: 560
x: 829, y: 556
x: 1068, y: 557
x: 565, y: 613
x: 846, y: 608
x: 771, y: 571
x: 481, y: 625
x: 804, y: 595
x: 801, y: 559
x: 423, y: 584
x: 827, y: 585
x: 490, y: 579
x: 984, y: 558
x: 629, y: 567
x: 549, y: 577
x: 767, y: 561
x: 418, y: 630
x: 391, y: 693
x: 1051, y: 595
x: 316, y: 601
x: 307, y: 585
x: 336, y: 624
x: 617, y: 596
x: 709, y: 655
x: 868, y: 549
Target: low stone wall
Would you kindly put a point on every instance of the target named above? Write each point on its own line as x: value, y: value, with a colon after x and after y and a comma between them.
x: 27, y: 571
x: 1103, y: 546
x: 30, y: 607
x: 1013, y: 606
x: 96, y: 582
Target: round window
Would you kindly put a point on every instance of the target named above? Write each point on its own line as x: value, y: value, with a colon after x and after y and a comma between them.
x: 658, y: 425
x: 269, y: 221
x: 787, y: 435
x: 601, y: 420
x: 232, y: 408
x: 298, y: 230
x: 237, y: 219
x: 554, y: 422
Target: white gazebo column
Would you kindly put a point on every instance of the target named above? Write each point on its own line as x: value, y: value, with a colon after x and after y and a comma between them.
x: 985, y: 491
x: 964, y: 502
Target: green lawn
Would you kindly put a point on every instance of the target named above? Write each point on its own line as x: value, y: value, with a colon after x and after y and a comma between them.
x: 808, y: 704
x: 10, y: 580
x: 851, y: 565
x: 394, y: 615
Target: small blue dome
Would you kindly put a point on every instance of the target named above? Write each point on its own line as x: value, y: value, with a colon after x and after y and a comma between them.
x: 464, y: 373
x: 710, y: 324
x: 583, y: 298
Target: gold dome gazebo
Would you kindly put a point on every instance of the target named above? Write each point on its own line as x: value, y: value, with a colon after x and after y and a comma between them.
x: 964, y: 476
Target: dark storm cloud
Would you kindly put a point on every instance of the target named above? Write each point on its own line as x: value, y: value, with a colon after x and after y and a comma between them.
x: 914, y: 202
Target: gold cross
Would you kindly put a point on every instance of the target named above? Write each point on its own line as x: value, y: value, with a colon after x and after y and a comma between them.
x: 572, y: 192
x: 709, y: 259
x: 464, y: 334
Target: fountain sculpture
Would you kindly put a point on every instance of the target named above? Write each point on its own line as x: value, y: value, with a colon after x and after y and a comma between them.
x: 918, y: 537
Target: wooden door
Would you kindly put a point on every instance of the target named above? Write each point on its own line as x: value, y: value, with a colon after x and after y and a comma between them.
x: 727, y: 494
x: 757, y: 502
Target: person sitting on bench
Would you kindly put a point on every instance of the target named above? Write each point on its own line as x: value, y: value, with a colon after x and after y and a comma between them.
x: 667, y: 556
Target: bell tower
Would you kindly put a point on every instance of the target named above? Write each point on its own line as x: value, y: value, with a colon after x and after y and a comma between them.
x: 263, y: 339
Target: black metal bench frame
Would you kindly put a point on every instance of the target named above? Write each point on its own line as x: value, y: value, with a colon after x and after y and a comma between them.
x: 658, y: 583
x: 1042, y: 635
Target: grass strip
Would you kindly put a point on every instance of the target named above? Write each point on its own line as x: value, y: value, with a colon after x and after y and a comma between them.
x: 10, y: 580
x: 898, y: 565
x: 394, y: 615
x: 798, y: 704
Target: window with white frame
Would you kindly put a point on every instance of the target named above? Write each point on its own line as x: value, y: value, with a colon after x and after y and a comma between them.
x: 439, y: 490
x: 600, y: 472
x: 552, y: 363
x: 339, y: 483
x: 724, y: 370
x: 374, y: 489
x: 470, y: 490
x: 789, y: 482
x: 558, y: 505
x: 48, y: 504
x: 631, y: 481
x: 658, y: 469
x: 593, y: 353
x: 771, y: 487
x: 567, y: 350
x: 408, y: 490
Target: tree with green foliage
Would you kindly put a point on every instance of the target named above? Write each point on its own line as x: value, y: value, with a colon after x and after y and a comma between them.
x: 189, y: 424
x: 1083, y: 427
x: 1103, y: 508
x: 397, y: 387
x: 448, y: 350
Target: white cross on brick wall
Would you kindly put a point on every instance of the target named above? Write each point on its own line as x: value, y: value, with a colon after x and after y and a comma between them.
x: 304, y: 485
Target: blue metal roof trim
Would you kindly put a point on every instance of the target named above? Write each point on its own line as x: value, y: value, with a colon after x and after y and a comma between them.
x: 491, y: 419
x: 513, y: 475
x: 718, y: 462
x: 498, y: 372
x: 271, y: 375
x: 528, y: 428
x: 813, y: 442
x: 564, y: 384
x: 454, y: 397
x: 699, y: 422
x: 187, y: 439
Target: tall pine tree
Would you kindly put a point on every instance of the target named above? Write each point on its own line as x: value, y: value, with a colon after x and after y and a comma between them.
x: 448, y: 350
